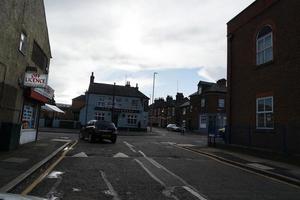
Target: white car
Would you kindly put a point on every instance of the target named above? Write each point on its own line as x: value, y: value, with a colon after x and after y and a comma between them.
x: 173, y: 127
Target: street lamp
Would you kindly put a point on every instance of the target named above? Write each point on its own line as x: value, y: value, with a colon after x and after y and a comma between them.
x: 152, y: 100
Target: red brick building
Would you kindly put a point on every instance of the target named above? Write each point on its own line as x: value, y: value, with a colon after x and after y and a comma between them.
x: 207, y: 107
x: 163, y: 112
x: 263, y: 76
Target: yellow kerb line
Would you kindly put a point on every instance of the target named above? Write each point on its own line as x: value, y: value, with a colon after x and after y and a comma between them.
x: 42, y: 176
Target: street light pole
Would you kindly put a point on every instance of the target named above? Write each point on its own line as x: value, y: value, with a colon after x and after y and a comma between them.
x: 151, y: 118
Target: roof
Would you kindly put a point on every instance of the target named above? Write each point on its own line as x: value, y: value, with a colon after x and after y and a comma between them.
x: 79, y: 98
x: 205, y: 83
x: 117, y: 90
x: 216, y: 88
x: 52, y: 108
x: 185, y: 104
x: 212, y: 87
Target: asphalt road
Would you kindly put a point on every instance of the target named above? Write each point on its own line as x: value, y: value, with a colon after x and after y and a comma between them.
x: 152, y: 167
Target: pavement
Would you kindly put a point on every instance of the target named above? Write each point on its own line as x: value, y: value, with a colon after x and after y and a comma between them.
x: 17, y: 165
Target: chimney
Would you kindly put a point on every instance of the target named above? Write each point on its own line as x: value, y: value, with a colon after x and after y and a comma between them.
x: 179, y: 97
x: 92, y: 78
x: 222, y: 82
x: 169, y: 99
x: 127, y: 84
x: 137, y: 86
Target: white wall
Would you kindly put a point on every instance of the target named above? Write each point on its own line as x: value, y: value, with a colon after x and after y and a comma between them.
x: 27, y: 136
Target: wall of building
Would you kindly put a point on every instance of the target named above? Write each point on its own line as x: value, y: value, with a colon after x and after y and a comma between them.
x: 17, y: 16
x: 95, y: 102
x: 279, y: 78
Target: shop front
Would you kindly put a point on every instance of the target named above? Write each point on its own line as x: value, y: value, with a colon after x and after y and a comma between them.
x: 33, y: 100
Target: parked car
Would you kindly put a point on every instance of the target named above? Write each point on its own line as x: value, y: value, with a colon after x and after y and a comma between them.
x: 99, y: 130
x: 173, y: 127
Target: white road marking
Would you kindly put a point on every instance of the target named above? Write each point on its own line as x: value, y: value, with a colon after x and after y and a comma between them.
x: 61, y: 140
x: 196, y: 194
x: 109, y: 186
x: 186, y: 145
x: 260, y: 166
x: 186, y: 186
x: 150, y: 160
x: 120, y: 155
x: 53, y: 194
x: 80, y: 155
x: 150, y: 173
x: 55, y: 174
x: 130, y: 146
x: 76, y: 189
x: 168, y: 143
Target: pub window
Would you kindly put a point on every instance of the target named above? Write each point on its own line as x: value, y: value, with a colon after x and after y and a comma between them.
x: 99, y: 116
x: 132, y: 119
x: 23, y: 43
x: 264, y: 113
x: 264, y: 45
x: 39, y: 57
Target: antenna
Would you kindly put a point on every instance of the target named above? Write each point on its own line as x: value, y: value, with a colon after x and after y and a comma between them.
x: 177, y: 86
x: 125, y: 79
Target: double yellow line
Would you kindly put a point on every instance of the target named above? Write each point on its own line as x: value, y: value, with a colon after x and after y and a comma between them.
x: 45, y: 173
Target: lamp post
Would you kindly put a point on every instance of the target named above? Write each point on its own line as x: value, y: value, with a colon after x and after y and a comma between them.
x: 152, y: 100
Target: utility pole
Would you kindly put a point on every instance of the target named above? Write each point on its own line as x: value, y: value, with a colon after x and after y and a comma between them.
x: 151, y: 122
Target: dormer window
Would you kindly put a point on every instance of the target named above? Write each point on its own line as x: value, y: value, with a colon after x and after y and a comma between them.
x: 199, y: 90
x: 264, y: 46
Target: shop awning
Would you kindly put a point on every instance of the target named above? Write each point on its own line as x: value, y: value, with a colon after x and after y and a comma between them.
x: 52, y: 108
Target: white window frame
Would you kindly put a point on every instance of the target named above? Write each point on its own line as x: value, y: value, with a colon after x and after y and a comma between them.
x: 99, y: 116
x: 132, y: 119
x: 183, y: 111
x: 203, y: 103
x: 221, y: 103
x: 264, y: 112
x: 203, y: 125
x: 264, y: 49
x: 23, y: 43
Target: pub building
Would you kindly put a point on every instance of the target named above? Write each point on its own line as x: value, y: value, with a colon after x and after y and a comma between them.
x: 126, y: 106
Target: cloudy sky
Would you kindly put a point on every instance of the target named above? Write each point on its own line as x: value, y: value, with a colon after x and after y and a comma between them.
x: 183, y: 40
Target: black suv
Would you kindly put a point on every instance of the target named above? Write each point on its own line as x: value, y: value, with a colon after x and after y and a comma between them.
x: 99, y: 130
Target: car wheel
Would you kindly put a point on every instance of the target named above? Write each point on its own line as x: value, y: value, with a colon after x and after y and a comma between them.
x: 114, y: 139
x: 91, y: 138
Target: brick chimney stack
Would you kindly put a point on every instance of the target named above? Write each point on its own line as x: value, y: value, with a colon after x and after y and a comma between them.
x: 92, y: 78
x: 222, y: 82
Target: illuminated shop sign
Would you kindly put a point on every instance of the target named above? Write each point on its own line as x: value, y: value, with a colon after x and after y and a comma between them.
x: 35, y: 80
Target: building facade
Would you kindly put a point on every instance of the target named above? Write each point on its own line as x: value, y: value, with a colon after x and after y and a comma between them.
x: 126, y: 106
x: 207, y: 107
x: 263, y: 76
x: 24, y: 63
x: 164, y: 112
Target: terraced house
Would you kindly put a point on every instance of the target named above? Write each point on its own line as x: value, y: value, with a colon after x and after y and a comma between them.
x: 263, y: 76
x: 24, y: 66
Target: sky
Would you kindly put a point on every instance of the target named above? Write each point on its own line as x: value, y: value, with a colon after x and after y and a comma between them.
x: 184, y: 41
